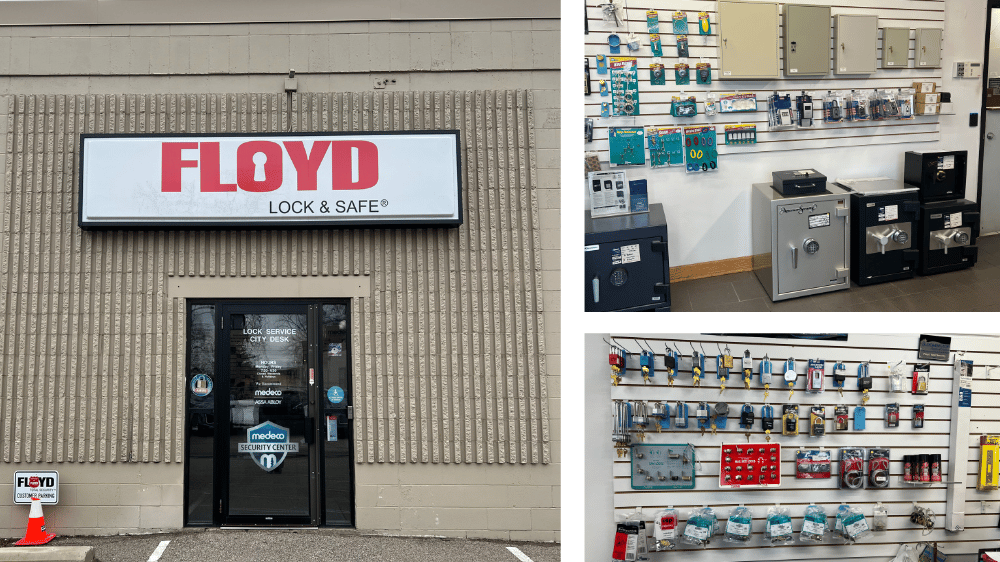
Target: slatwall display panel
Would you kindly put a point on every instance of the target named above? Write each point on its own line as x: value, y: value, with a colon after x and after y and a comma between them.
x: 982, y: 508
x: 654, y: 101
x: 448, y: 352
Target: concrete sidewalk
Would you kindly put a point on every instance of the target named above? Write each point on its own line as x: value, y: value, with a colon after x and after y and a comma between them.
x: 225, y: 545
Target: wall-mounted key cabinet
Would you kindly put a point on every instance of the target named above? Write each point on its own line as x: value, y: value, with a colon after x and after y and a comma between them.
x: 928, y: 48
x: 856, y: 44
x: 807, y: 40
x: 895, y: 47
x: 748, y: 40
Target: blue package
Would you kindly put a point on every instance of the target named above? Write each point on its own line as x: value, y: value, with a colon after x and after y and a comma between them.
x: 640, y: 200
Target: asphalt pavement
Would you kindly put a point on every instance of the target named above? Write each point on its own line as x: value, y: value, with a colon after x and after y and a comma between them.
x: 225, y: 545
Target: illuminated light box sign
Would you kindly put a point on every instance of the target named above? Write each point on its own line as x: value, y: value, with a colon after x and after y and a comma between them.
x: 270, y: 180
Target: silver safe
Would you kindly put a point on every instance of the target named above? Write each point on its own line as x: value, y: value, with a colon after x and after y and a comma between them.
x: 801, y: 244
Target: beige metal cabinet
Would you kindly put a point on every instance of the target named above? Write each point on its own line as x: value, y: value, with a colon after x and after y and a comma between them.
x: 895, y: 47
x: 928, y: 48
x: 807, y: 40
x: 856, y: 44
x: 748, y: 40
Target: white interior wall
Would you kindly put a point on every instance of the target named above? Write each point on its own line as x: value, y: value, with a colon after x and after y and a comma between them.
x: 608, y: 496
x: 709, y: 214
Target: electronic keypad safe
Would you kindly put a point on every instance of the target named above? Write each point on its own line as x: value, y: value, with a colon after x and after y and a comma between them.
x: 626, y: 266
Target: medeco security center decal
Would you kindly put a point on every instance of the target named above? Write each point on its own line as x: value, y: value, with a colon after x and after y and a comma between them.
x: 236, y: 180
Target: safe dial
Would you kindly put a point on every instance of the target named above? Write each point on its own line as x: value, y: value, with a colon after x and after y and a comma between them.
x: 961, y: 238
x: 900, y: 237
x: 811, y: 246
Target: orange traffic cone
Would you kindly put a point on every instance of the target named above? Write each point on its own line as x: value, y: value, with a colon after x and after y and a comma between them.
x: 35, y: 534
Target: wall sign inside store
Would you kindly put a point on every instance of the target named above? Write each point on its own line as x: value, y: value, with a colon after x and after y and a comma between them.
x: 327, y: 179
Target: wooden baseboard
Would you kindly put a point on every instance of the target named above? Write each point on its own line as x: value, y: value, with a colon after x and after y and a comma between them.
x: 710, y: 269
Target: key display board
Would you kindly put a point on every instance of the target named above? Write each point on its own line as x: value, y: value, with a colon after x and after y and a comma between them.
x: 663, y: 467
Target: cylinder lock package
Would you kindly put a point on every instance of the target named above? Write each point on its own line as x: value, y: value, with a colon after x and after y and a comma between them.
x: 813, y: 525
x: 851, y: 524
x: 739, y: 526
x: 700, y: 527
x: 779, y: 526
x: 664, y: 530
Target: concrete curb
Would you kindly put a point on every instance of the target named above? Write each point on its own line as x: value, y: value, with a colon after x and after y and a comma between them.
x: 47, y: 554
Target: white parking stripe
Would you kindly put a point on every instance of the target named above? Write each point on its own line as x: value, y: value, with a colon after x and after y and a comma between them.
x: 520, y: 555
x: 158, y: 552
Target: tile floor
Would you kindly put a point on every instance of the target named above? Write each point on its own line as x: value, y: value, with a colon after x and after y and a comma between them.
x: 974, y: 289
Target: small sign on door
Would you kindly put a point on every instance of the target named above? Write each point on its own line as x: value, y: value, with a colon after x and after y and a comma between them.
x: 331, y: 428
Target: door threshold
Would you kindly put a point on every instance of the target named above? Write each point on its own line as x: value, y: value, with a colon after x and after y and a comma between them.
x: 268, y: 527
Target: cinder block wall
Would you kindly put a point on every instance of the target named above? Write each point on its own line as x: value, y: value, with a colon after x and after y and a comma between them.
x: 106, y: 494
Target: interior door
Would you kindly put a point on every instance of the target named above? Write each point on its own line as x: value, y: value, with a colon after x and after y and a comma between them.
x: 269, y: 430
x: 990, y: 162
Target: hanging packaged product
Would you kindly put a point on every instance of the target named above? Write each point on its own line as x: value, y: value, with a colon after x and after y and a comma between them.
x: 890, y: 108
x: 704, y: 24
x: 657, y: 75
x: 779, y: 526
x: 588, y: 130
x: 804, y: 110
x: 864, y: 381
x: 921, y: 378
x: 780, y: 113
x: 711, y: 105
x: 833, y: 107
x: 918, y: 416
x: 724, y: 364
x: 765, y: 374
x: 839, y: 377
x: 739, y: 526
x: 852, y: 469
x: 624, y: 86
x: 767, y: 421
x: 737, y: 103
x: 682, y: 74
x: 602, y: 64
x: 859, y: 418
x: 741, y: 134
x: 655, y: 45
x: 750, y: 465
x: 813, y: 464
x: 905, y: 101
x: 853, y: 524
x: 790, y: 419
x: 817, y: 421
x: 815, y: 376
x: 703, y: 73
x: 700, y: 527
x: 892, y: 414
x: 699, y: 144
x: 605, y: 109
x: 680, y: 23
x: 989, y: 463
x: 683, y: 106
x: 627, y: 146
x: 657, y: 150
x: 880, y: 518
x: 660, y: 413
x: 790, y: 376
x: 878, y: 468
x: 621, y: 419
x: 813, y: 524
x: 672, y: 141
x: 647, y: 363
x: 633, y: 43
x: 664, y: 530
x: 746, y: 365
x: 652, y: 21
x: 896, y: 383
x: 875, y: 106
x: 682, y: 47
x: 861, y: 106
x: 841, y: 415
x: 630, y: 541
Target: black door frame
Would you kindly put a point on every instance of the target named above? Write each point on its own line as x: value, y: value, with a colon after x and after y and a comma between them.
x: 316, y: 401
x: 990, y: 4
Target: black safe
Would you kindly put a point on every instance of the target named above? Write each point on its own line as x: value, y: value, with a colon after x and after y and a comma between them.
x: 626, y: 266
x: 798, y: 182
x: 939, y: 175
x: 948, y: 230
x: 885, y: 216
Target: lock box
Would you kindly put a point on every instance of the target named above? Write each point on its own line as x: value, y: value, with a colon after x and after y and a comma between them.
x: 626, y: 262
x: 949, y: 230
x: 940, y: 176
x: 885, y: 217
x: 800, y: 244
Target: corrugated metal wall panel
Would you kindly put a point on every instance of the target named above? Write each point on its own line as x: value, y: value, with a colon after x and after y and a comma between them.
x: 447, y: 352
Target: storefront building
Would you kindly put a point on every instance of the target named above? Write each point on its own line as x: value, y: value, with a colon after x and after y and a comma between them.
x: 389, y: 363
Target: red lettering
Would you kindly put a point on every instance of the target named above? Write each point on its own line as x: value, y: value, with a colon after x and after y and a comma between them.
x: 367, y: 164
x: 272, y: 168
x: 306, y: 166
x: 210, y: 181
x: 171, y: 164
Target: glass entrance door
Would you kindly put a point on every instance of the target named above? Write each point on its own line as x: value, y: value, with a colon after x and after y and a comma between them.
x: 271, y: 428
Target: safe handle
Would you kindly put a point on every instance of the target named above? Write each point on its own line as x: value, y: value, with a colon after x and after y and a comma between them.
x: 597, y: 289
x: 795, y: 257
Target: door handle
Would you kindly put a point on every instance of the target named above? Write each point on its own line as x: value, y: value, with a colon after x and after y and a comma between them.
x: 795, y: 257
x: 989, y: 136
x: 597, y: 289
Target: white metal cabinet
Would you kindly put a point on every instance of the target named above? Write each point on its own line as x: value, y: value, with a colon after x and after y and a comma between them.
x: 856, y: 44
x: 895, y: 47
x: 928, y: 48
x: 748, y: 40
